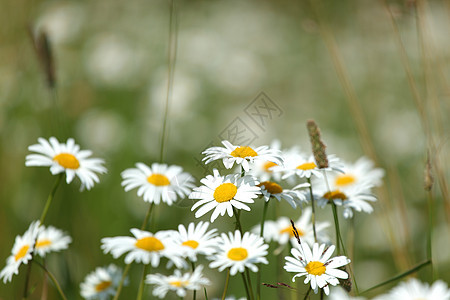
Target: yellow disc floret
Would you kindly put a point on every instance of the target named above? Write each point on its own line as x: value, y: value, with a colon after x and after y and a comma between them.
x: 158, y: 179
x: 22, y: 252
x: 149, y: 243
x: 244, y: 152
x: 102, y: 286
x: 333, y: 195
x: 43, y: 243
x: 67, y: 161
x: 237, y: 254
x: 191, y: 243
x: 271, y: 187
x: 291, y: 231
x: 225, y: 192
x: 267, y: 165
x: 344, y: 179
x: 315, y: 268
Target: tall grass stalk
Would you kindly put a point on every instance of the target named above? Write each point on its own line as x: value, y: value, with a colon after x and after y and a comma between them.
x: 142, y: 283
x: 313, y: 206
x: 227, y: 281
x: 53, y: 279
x: 258, y: 275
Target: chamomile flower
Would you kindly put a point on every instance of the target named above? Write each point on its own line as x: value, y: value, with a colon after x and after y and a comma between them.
x: 317, y: 266
x: 157, y: 183
x: 263, y: 169
x: 304, y: 166
x: 241, y: 155
x: 281, y: 232
x: 21, y: 252
x: 353, y: 198
x: 51, y: 239
x: 101, y: 283
x: 195, y: 240
x: 237, y: 253
x: 144, y: 247
x: 223, y: 193
x: 66, y: 157
x: 413, y: 289
x: 361, y: 172
x: 179, y: 283
x: 272, y: 189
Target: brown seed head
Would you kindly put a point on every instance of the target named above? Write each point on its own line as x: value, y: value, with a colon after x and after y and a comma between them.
x: 318, y: 147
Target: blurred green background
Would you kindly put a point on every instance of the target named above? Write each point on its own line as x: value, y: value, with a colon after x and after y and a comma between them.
x: 111, y: 70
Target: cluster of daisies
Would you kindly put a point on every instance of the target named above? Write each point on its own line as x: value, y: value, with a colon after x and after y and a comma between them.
x: 261, y: 174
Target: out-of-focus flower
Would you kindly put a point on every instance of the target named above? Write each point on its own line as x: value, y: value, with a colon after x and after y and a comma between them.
x: 272, y: 189
x: 101, y: 283
x: 51, y: 239
x: 414, y: 289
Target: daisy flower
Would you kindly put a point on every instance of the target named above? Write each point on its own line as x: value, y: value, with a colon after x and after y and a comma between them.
x: 144, y: 247
x: 66, y: 157
x: 158, y: 182
x: 223, y: 193
x: 337, y: 293
x: 101, y: 283
x: 274, y: 190
x: 237, y: 253
x: 195, y: 240
x: 51, y: 239
x: 179, y: 283
x: 21, y: 252
x: 414, y: 289
x: 263, y: 169
x: 317, y: 266
x: 281, y: 232
x: 304, y: 167
x: 241, y: 155
x: 352, y: 198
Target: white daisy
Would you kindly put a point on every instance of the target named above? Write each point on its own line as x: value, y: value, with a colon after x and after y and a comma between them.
x: 272, y: 189
x: 305, y: 166
x: 263, y: 169
x: 222, y: 193
x: 195, y: 240
x: 338, y: 293
x: 66, y: 157
x: 101, y: 283
x: 239, y: 253
x: 413, y: 289
x: 353, y: 198
x: 158, y: 182
x: 144, y: 247
x: 21, y: 252
x: 51, y: 239
x: 317, y: 266
x: 179, y: 283
x: 281, y: 230
x: 241, y: 155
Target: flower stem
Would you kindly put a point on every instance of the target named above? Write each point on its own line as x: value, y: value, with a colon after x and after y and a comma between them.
x: 307, y: 293
x: 238, y: 223
x: 147, y: 216
x: 247, y: 273
x: 206, y: 294
x: 258, y: 275
x: 227, y: 281
x: 122, y: 280
x: 313, y: 216
x: 399, y: 276
x: 194, y: 296
x: 430, y: 234
x: 336, y: 226
x: 142, y: 283
x: 246, y: 286
x: 53, y: 279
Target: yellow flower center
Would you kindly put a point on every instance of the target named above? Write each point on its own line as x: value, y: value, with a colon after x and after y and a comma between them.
x: 267, y: 165
x: 158, y: 179
x: 307, y: 166
x: 102, y: 286
x: 67, y: 160
x: 315, y: 268
x: 178, y: 283
x: 225, y: 192
x: 149, y: 243
x: 191, y: 243
x: 237, y: 253
x: 22, y: 252
x: 271, y: 187
x: 333, y: 195
x: 244, y: 152
x: 291, y: 231
x: 43, y: 243
x: 344, y: 179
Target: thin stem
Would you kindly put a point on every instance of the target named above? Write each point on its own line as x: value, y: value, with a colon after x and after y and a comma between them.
x: 307, y: 293
x: 336, y: 226
x: 247, y: 273
x: 404, y: 274
x: 237, y: 216
x: 122, y: 280
x: 227, y: 281
x: 147, y: 216
x: 258, y: 275
x: 44, y: 294
x: 246, y: 286
x: 313, y: 216
x: 53, y: 279
x: 193, y: 270
x: 206, y: 294
x: 171, y: 56
x: 430, y: 233
x: 142, y: 283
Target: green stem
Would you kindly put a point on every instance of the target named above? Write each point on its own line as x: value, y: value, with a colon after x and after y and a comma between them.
x: 258, y: 275
x: 142, y: 283
x: 246, y: 286
x: 227, y: 281
x: 238, y: 223
x: 122, y: 280
x: 206, y: 294
x: 195, y: 291
x: 410, y: 271
x: 313, y: 216
x: 307, y: 293
x: 247, y: 273
x: 336, y: 226
x: 53, y: 279
x: 430, y: 234
x: 147, y: 216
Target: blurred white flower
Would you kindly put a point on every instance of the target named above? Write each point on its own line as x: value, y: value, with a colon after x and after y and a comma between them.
x: 101, y: 283
x: 413, y: 289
